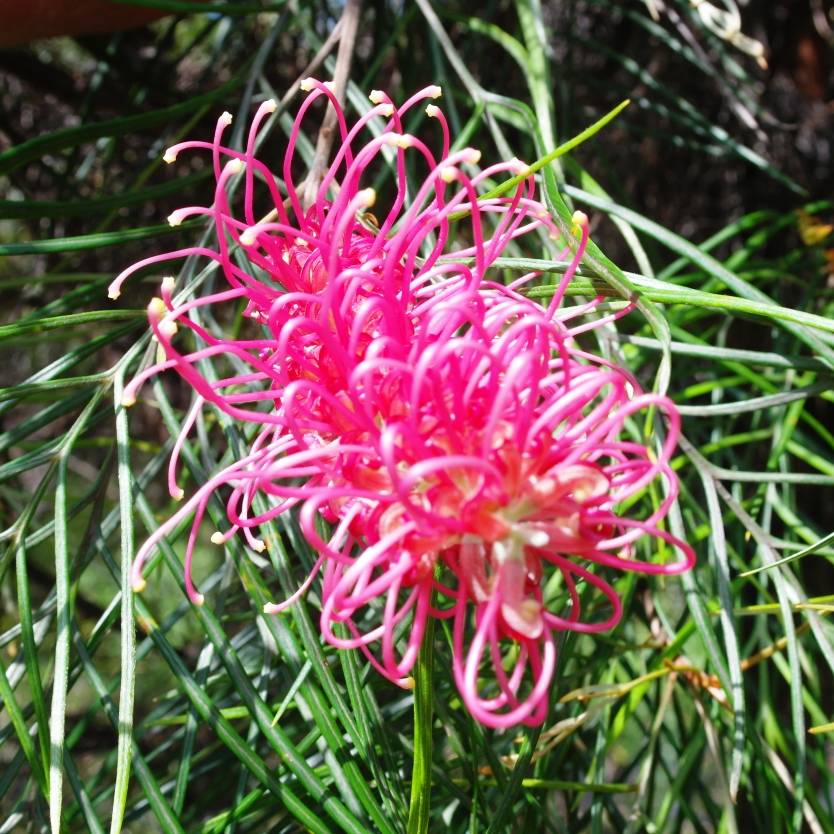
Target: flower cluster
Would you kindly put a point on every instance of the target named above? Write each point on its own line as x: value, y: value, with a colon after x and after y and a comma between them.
x: 470, y: 460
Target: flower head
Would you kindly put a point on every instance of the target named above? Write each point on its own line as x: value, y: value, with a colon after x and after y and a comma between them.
x: 472, y: 461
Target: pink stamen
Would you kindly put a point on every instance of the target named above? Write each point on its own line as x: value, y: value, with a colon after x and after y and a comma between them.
x: 462, y: 446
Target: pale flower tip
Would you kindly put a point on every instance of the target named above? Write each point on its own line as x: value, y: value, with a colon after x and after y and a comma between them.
x: 270, y: 105
x: 113, y: 293
x: 157, y: 308
x: 580, y: 219
x: 432, y: 110
x: 538, y: 538
x: 168, y: 283
x: 271, y: 608
x: 175, y: 218
x: 330, y: 85
x: 367, y: 196
x: 128, y: 399
x: 217, y: 538
x: 234, y: 166
x: 386, y: 110
x: 177, y: 494
x: 169, y: 156
x: 138, y: 585
x: 248, y: 236
x: 258, y: 546
x: 449, y: 174
x: 307, y: 84
x: 434, y: 91
x: 377, y: 96
x: 407, y: 683
x: 472, y: 156
x: 168, y: 328
x: 524, y: 617
x: 225, y: 118
x: 198, y: 600
x: 399, y: 140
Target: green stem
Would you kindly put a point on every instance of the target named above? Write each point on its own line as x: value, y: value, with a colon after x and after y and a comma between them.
x: 418, y: 811
x: 535, y: 167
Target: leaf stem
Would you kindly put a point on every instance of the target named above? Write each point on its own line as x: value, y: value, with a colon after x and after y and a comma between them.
x: 418, y: 811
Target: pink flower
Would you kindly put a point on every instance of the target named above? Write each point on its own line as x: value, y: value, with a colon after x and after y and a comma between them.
x: 471, y: 459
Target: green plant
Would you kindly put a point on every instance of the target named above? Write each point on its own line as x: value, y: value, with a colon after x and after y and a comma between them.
x: 707, y: 710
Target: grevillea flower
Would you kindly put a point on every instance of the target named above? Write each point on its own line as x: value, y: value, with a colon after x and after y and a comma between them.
x: 472, y: 461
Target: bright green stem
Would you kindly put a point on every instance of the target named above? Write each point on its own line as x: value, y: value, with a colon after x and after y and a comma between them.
x: 418, y: 812
x: 535, y: 167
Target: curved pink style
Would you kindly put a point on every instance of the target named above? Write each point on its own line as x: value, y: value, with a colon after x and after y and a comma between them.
x: 472, y: 461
